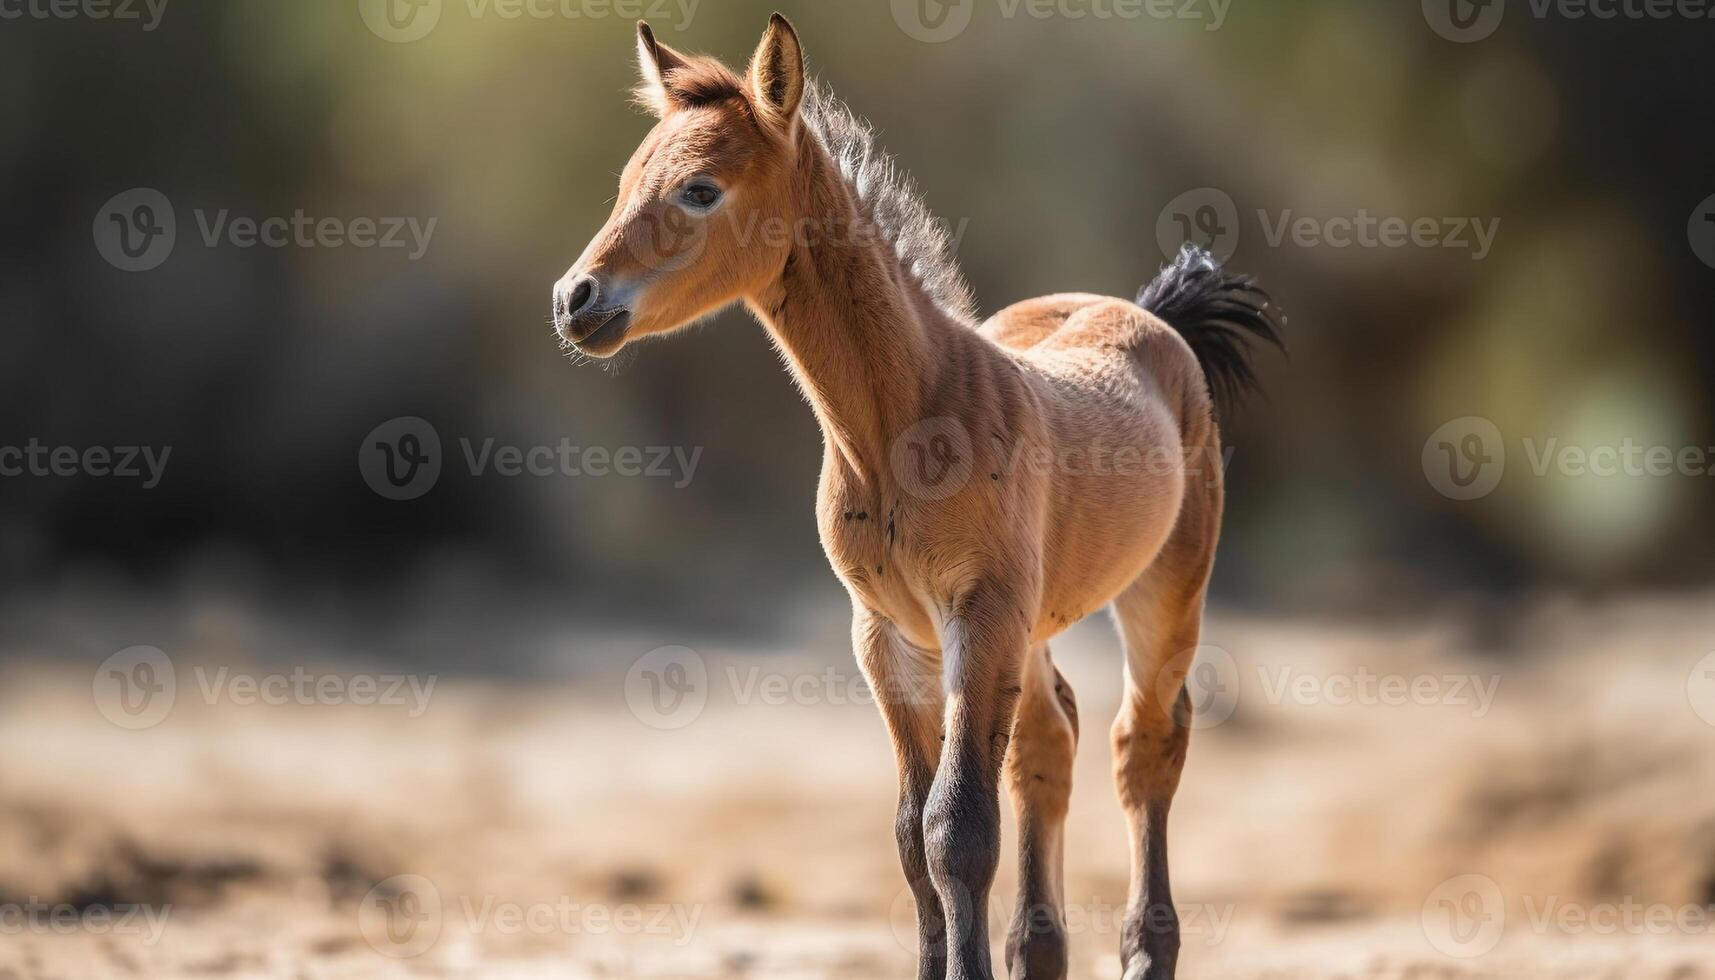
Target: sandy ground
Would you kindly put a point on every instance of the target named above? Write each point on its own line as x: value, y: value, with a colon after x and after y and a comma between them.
x: 1360, y: 802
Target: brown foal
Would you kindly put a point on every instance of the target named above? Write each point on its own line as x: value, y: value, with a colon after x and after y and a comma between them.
x: 983, y: 486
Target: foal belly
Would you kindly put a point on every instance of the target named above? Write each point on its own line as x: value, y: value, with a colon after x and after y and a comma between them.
x: 1101, y: 544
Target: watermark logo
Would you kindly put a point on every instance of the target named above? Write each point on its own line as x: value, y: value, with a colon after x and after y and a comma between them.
x: 905, y: 917
x: 1465, y: 458
x: 400, y: 21
x: 1464, y: 21
x: 135, y: 230
x: 1206, y: 216
x: 668, y: 238
x: 400, y: 459
x: 404, y: 21
x: 1465, y: 916
x: 1205, y: 925
x: 405, y: 916
x: 1204, y: 680
x: 1700, y: 687
x: 1202, y: 688
x: 401, y: 917
x: 668, y: 687
x: 933, y: 21
x: 933, y: 459
x: 136, y: 687
x: 1701, y: 231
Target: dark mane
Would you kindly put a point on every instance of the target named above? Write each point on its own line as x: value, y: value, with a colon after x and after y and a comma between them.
x: 919, y: 239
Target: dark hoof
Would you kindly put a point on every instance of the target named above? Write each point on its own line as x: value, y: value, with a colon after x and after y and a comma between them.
x: 1036, y: 951
x: 1145, y: 966
x: 1151, y: 945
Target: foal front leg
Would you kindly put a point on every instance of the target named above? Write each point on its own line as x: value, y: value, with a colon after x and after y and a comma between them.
x: 983, y: 644
x: 907, y: 686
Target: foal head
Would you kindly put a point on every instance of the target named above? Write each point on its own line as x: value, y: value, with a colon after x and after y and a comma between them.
x: 718, y: 163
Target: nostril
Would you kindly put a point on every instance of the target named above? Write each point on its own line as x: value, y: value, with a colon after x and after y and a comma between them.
x: 583, y: 294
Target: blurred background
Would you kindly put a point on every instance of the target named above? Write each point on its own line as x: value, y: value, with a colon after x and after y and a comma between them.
x: 1492, y: 228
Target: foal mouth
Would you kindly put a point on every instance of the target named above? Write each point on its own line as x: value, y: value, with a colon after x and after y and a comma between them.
x: 610, y: 326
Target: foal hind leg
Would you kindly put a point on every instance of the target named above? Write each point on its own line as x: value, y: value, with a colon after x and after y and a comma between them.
x: 1039, y: 776
x: 1160, y: 618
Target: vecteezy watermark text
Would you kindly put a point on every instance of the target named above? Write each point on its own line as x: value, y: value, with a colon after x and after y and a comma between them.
x: 404, y: 21
x: 1289, y: 685
x: 1365, y: 230
x: 1465, y: 458
x: 669, y: 687
x: 147, y: 12
x: 1466, y: 917
x: 1203, y: 925
x: 137, y: 688
x: 401, y: 459
x: 145, y: 463
x: 568, y: 459
x: 935, y: 21
x: 404, y: 916
x: 303, y: 231
x: 935, y: 458
x: 33, y: 917
x: 1210, y: 681
x: 1465, y: 21
x: 1209, y: 217
x: 137, y: 230
x: 669, y: 239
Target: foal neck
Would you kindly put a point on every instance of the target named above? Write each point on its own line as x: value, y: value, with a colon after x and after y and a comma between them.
x: 862, y: 339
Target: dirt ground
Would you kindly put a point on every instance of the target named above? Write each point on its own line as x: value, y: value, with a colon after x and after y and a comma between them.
x: 1361, y: 802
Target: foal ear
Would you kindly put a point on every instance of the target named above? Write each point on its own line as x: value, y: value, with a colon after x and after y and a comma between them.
x: 777, y: 75
x: 654, y: 61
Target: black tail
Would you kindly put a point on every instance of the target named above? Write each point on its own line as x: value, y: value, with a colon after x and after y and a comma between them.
x: 1218, y: 313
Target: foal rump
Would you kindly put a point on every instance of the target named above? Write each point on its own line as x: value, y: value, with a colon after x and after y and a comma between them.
x: 1218, y: 313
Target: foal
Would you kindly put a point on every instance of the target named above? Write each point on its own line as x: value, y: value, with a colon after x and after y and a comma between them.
x: 983, y: 487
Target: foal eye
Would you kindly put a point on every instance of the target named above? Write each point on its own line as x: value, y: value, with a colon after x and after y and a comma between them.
x: 701, y: 195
